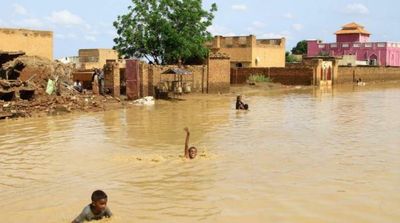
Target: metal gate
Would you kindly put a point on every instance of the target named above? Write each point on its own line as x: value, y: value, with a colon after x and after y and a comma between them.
x: 132, y: 79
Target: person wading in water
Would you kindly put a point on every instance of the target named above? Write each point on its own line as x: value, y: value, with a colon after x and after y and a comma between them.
x: 190, y: 153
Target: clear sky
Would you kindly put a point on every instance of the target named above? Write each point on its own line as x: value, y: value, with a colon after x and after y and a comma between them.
x: 88, y: 23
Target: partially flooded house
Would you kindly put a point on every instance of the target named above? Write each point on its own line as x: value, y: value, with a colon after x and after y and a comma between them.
x: 248, y: 51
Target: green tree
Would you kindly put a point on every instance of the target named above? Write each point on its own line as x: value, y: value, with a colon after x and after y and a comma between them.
x: 164, y: 31
x: 300, y: 48
x: 291, y: 58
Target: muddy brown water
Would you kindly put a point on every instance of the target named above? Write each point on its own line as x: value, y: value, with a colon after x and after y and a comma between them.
x: 306, y: 155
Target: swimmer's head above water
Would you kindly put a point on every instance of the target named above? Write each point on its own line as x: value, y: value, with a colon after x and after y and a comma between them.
x: 190, y: 153
x: 99, y: 201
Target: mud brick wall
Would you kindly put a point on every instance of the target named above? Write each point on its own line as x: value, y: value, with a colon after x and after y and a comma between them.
x: 155, y: 76
x: 218, y: 75
x: 112, y: 78
x: 116, y: 91
x: 32, y: 42
x: 300, y: 75
x: 145, y: 80
x: 367, y: 74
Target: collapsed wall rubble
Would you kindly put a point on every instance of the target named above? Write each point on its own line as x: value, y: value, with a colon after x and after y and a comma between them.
x: 24, y: 89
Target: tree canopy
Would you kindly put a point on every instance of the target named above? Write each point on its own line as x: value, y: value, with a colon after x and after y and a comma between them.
x: 164, y: 31
x: 300, y: 48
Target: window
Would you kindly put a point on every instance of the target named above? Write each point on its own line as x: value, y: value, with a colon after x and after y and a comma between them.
x: 228, y: 42
x: 321, y: 46
x: 368, y: 45
x: 93, y: 59
x: 345, y: 45
x: 333, y: 45
x: 242, y: 41
x: 356, y: 45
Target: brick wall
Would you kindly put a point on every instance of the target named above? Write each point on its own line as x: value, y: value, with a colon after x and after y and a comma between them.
x: 112, y: 78
x: 346, y: 74
x: 294, y: 75
x: 33, y: 43
x: 152, y: 75
x: 218, y: 74
x: 96, y: 58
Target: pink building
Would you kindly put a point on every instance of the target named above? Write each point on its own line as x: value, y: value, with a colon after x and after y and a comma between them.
x: 353, y: 39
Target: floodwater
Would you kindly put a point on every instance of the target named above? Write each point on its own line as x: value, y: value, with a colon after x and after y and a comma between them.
x: 304, y: 156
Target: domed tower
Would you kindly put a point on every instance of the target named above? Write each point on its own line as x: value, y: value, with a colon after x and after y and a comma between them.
x: 352, y: 32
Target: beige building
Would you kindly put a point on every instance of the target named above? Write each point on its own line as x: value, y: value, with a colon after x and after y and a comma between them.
x: 96, y: 58
x: 247, y: 51
x: 32, y: 42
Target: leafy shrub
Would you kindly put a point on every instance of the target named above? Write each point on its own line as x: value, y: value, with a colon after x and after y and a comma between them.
x: 259, y: 78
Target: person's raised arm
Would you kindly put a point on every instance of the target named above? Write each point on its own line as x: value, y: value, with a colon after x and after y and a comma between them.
x: 187, y: 142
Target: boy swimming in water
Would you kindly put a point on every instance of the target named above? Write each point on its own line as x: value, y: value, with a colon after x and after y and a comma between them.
x: 240, y: 105
x: 190, y: 153
x: 96, y: 210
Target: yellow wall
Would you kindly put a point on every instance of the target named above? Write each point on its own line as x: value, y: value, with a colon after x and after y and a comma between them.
x: 32, y: 42
x: 239, y: 55
x: 269, y: 57
x: 246, y: 49
x: 96, y: 58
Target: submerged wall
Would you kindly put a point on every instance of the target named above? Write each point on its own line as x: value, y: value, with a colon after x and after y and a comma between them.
x: 367, y: 74
x: 293, y: 75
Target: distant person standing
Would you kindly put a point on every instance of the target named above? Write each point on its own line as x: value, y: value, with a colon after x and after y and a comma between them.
x: 240, y: 105
x: 95, y: 83
x: 101, y: 80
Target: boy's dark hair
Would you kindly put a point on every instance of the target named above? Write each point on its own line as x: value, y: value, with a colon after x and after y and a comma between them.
x: 246, y: 107
x: 193, y: 148
x: 98, y: 195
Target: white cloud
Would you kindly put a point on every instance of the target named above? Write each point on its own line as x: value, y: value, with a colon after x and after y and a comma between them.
x: 240, y: 7
x: 256, y: 27
x: 220, y: 30
x: 65, y: 18
x: 32, y: 23
x: 356, y: 9
x: 29, y: 23
x: 297, y: 27
x: 66, y: 36
x: 60, y: 36
x: 20, y: 10
x: 258, y: 24
x: 288, y: 15
x: 90, y: 38
x: 271, y: 35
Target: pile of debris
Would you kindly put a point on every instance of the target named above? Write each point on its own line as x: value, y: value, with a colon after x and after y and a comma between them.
x: 32, y: 85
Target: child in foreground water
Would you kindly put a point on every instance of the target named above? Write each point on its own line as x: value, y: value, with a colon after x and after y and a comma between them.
x: 96, y: 210
x: 190, y: 153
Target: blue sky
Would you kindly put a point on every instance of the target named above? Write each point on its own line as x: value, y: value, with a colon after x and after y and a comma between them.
x: 88, y: 24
